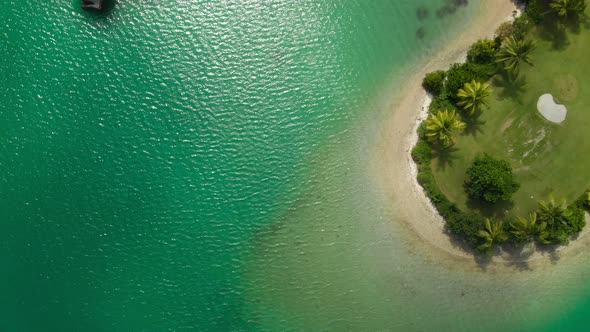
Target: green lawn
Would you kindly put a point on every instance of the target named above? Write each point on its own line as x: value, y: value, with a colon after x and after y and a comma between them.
x: 547, y: 158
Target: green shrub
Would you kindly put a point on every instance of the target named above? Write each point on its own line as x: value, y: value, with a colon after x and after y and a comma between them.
x: 459, y: 74
x: 490, y: 180
x: 434, y: 82
x: 466, y: 225
x: 583, y: 202
x: 576, y: 220
x: 441, y: 103
x: 533, y: 11
x: 504, y: 31
x: 561, y: 230
x: 562, y: 221
x: 422, y: 131
x: 521, y: 25
x: 483, y: 51
x: 422, y: 152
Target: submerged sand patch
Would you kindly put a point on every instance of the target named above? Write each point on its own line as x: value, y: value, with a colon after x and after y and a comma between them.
x: 551, y: 110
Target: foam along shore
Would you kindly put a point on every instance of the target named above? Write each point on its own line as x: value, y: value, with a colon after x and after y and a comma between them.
x: 392, y: 161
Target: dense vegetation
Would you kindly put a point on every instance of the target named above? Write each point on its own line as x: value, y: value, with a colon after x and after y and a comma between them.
x: 460, y: 94
x: 490, y: 180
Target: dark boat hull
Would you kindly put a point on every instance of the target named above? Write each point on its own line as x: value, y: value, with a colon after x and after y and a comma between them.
x: 92, y: 4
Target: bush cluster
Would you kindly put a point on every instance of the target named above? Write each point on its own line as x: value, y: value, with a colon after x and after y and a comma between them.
x: 483, y: 51
x: 435, y: 82
x: 490, y: 180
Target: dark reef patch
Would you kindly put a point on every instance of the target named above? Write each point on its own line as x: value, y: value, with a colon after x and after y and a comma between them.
x: 420, y: 33
x: 450, y: 7
x: 422, y: 13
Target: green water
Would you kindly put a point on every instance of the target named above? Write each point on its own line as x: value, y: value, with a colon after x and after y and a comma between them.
x: 202, y: 165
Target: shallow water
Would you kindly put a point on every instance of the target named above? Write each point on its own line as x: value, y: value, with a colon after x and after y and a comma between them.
x: 184, y: 164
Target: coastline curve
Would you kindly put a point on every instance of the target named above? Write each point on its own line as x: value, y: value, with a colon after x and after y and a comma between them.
x: 393, y: 164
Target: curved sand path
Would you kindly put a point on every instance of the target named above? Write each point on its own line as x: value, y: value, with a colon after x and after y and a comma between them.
x: 397, y: 135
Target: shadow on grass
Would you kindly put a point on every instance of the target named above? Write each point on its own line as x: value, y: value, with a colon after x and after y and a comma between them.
x: 573, y: 23
x: 445, y: 156
x: 512, y: 85
x: 553, y: 31
x: 473, y: 125
x: 498, y: 210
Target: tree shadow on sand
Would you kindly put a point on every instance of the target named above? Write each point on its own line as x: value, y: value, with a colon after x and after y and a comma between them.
x: 483, y: 260
x: 519, y: 254
x: 445, y: 156
x: 512, y: 85
x: 551, y: 251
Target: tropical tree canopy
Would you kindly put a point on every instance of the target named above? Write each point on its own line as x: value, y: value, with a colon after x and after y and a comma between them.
x: 493, y: 232
x: 565, y: 8
x: 526, y: 230
x: 562, y: 220
x: 490, y: 180
x: 515, y: 51
x: 443, y: 126
x: 473, y: 95
x: 483, y: 51
x: 552, y: 212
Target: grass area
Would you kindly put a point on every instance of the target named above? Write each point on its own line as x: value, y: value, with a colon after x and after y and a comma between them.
x: 547, y: 158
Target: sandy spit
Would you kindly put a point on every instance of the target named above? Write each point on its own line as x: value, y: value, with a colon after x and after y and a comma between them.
x: 396, y: 172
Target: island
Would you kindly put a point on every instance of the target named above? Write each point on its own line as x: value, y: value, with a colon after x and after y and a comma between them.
x: 503, y: 152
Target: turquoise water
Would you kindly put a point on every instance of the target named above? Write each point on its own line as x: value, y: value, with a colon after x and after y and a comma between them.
x: 175, y: 165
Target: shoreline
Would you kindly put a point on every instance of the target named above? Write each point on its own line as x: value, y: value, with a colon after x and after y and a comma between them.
x: 398, y: 135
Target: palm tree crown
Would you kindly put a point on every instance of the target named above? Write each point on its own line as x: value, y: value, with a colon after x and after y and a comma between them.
x: 551, y: 211
x: 442, y: 126
x: 513, y: 52
x: 565, y: 8
x: 493, y: 232
x: 473, y: 95
x: 527, y: 229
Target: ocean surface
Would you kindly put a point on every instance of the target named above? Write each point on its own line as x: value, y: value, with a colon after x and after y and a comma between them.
x: 202, y: 165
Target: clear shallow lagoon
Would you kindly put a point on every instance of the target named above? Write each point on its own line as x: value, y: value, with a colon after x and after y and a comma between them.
x: 193, y: 164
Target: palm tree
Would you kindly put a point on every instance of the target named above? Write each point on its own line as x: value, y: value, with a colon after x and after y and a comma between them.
x: 513, y: 52
x: 442, y: 126
x: 527, y: 229
x: 552, y: 212
x: 565, y: 8
x: 473, y: 95
x: 493, y: 232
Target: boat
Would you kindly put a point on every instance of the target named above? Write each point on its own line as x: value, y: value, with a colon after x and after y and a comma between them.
x: 92, y: 4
